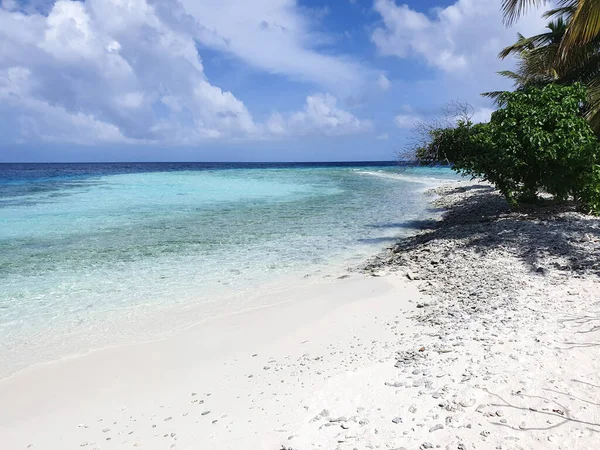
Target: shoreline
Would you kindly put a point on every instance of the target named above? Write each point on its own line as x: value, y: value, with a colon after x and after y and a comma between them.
x: 466, y: 337
x: 148, y: 323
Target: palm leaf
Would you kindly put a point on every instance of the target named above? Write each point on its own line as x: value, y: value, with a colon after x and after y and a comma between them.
x: 496, y: 96
x: 513, y: 9
x: 564, y: 11
x: 584, y: 25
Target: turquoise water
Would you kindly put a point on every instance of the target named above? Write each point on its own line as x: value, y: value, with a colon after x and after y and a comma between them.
x: 83, y: 252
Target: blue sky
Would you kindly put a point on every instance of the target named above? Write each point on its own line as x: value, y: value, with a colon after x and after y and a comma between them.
x: 239, y: 80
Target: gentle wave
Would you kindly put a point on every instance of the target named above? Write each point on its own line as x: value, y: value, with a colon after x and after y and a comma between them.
x: 411, y: 178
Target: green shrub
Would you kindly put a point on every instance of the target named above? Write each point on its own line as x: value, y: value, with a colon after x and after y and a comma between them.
x: 538, y: 141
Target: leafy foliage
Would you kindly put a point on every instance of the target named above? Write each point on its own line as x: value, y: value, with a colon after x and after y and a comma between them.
x: 568, y: 52
x: 538, y: 141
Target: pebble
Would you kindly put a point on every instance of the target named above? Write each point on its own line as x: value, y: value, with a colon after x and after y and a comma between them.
x: 338, y: 419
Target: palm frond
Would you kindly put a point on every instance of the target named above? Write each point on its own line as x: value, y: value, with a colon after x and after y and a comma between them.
x: 496, y: 96
x: 564, y: 11
x: 584, y: 25
x: 513, y: 9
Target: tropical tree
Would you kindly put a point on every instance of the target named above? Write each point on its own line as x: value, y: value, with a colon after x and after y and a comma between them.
x: 536, y: 56
x: 551, y: 58
x: 584, y: 19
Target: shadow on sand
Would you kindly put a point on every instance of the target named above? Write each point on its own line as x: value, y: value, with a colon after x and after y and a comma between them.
x: 553, y: 233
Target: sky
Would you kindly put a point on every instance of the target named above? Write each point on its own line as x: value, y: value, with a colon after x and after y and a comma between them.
x: 240, y: 80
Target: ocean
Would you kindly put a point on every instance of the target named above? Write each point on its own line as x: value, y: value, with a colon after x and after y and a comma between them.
x: 93, y: 255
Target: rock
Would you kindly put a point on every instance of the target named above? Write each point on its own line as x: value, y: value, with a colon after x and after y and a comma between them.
x: 338, y: 419
x: 397, y: 420
x: 439, y: 426
x: 468, y: 403
x: 411, y: 276
x: 204, y: 413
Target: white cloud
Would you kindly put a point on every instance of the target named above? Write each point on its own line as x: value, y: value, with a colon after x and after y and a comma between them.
x: 406, y: 120
x: 460, y: 42
x: 482, y: 115
x: 45, y: 121
x: 382, y: 137
x: 109, y: 63
x: 321, y: 115
x: 130, y: 71
x: 277, y: 36
x: 383, y: 82
x: 462, y: 37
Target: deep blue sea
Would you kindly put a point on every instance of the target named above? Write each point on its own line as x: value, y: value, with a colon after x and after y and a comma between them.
x: 100, y: 254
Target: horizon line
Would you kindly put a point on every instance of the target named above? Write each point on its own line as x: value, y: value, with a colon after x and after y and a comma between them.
x: 203, y: 162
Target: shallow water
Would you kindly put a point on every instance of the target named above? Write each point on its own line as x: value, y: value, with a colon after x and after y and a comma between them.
x: 86, y: 248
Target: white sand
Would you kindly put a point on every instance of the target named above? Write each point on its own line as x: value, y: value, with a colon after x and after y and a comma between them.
x: 331, y: 346
x: 320, y: 333
x: 523, y: 377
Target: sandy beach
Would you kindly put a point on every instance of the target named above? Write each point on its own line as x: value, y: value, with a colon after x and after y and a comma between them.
x: 481, y: 332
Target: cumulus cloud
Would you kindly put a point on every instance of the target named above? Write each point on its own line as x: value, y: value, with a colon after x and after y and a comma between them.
x: 464, y: 36
x: 322, y: 115
x: 482, y: 115
x: 117, y: 65
x: 38, y: 119
x: 459, y: 42
x: 130, y: 71
x: 406, y: 120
